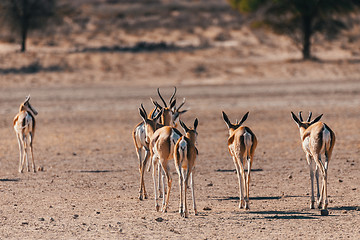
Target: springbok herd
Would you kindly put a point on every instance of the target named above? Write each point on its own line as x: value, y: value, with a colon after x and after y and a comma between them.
x: 157, y: 135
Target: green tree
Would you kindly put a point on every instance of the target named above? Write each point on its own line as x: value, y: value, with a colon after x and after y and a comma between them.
x: 300, y: 19
x: 24, y: 15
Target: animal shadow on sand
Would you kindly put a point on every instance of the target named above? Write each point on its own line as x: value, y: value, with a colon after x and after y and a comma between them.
x: 345, y: 208
x: 284, y: 215
x: 273, y: 214
x: 96, y: 171
x: 233, y: 170
x: 9, y: 180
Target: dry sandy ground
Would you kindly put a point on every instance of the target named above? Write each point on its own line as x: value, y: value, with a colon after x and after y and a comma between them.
x: 89, y: 186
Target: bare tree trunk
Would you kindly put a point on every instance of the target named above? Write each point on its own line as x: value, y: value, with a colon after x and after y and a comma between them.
x: 307, y: 33
x: 24, y: 25
x: 23, y: 37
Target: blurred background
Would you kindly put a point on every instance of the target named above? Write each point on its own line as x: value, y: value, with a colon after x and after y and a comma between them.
x: 188, y: 41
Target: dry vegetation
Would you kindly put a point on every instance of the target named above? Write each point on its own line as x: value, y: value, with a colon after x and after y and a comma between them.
x: 87, y: 79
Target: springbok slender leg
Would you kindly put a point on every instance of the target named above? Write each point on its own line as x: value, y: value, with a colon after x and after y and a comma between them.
x: 242, y: 202
x: 154, y: 162
x: 310, y: 163
x: 192, y: 192
x: 181, y: 179
x: 21, y: 150
x: 169, y: 181
x: 249, y: 161
x: 186, y: 180
x: 32, y: 153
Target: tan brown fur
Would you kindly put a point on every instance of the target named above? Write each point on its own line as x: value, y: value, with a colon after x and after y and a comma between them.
x: 140, y: 144
x: 24, y: 125
x: 161, y: 146
x: 312, y: 134
x: 185, y: 154
x: 242, y: 143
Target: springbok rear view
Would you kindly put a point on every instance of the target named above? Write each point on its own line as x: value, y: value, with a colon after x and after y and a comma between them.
x: 24, y: 126
x: 185, y: 155
x: 241, y: 143
x: 316, y: 138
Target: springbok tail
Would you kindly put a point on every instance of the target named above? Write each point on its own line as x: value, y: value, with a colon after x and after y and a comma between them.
x: 326, y: 138
x: 248, y: 143
x: 182, y: 148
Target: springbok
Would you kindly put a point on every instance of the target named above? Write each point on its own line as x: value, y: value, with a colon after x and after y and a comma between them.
x: 169, y: 117
x: 241, y: 144
x: 24, y: 126
x: 316, y: 138
x: 185, y: 155
x: 141, y: 142
x: 161, y: 145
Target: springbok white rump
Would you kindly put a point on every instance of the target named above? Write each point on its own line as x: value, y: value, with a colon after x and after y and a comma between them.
x: 316, y: 138
x: 24, y: 126
x: 185, y: 155
x: 241, y: 144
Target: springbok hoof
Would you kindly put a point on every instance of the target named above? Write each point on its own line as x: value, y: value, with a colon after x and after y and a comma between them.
x: 324, y: 212
x: 157, y: 208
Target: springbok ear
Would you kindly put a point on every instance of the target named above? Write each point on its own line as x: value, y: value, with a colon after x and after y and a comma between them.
x: 226, y: 119
x: 142, y: 114
x: 182, y: 104
x: 244, y: 118
x: 27, y: 98
x: 182, y: 124
x: 295, y: 119
x: 175, y: 116
x: 158, y: 115
x: 156, y: 104
x: 316, y: 119
x: 196, y: 122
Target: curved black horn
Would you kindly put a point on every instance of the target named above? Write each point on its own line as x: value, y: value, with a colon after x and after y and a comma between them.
x: 172, y: 96
x: 158, y: 91
x: 309, y: 118
x: 300, y: 117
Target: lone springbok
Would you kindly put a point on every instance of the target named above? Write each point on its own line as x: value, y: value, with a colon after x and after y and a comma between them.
x: 316, y: 138
x: 185, y: 155
x: 241, y: 144
x: 24, y: 126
